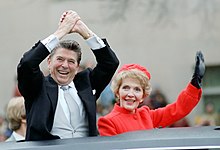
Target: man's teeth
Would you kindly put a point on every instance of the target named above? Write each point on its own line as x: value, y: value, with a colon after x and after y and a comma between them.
x: 61, y: 72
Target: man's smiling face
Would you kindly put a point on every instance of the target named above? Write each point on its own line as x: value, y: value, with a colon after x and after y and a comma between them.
x: 63, y: 66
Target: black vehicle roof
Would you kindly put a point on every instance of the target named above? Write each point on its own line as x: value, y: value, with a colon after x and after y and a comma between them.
x: 206, y: 137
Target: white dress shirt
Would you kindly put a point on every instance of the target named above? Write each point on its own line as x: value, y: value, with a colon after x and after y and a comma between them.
x: 62, y: 101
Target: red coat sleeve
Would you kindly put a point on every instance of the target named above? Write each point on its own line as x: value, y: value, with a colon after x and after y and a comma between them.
x: 184, y: 104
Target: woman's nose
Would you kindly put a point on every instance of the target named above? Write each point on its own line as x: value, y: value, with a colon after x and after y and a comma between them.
x: 130, y: 93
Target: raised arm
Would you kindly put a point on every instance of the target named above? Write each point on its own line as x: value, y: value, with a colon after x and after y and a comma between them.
x: 187, y: 99
x: 29, y: 74
x: 107, y: 61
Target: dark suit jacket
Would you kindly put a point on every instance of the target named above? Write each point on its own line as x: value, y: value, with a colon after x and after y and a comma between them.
x: 41, y: 93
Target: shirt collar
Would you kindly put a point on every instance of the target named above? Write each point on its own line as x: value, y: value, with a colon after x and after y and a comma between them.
x: 71, y: 84
x: 17, y: 136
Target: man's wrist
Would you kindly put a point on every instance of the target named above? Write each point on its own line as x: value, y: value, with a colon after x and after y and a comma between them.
x: 87, y: 35
x: 95, y: 42
x: 50, y: 42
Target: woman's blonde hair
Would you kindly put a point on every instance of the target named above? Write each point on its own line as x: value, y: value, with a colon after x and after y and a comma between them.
x: 15, y: 112
x: 135, y: 74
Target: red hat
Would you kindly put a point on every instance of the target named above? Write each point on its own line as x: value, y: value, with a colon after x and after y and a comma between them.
x: 135, y: 66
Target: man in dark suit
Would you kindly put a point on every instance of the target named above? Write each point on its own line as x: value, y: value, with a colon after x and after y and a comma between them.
x: 49, y: 115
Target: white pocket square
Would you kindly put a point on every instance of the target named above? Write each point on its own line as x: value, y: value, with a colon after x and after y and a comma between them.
x: 93, y: 92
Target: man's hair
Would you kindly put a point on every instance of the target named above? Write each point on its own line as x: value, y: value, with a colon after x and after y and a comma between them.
x: 15, y: 112
x: 69, y: 45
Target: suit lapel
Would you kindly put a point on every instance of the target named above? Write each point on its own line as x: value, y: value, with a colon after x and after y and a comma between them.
x: 82, y: 87
x: 52, y: 91
x: 85, y: 92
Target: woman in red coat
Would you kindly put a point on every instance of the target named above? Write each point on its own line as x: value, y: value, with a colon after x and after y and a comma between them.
x: 131, y: 85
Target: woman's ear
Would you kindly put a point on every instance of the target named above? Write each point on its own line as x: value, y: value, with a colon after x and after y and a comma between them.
x: 117, y: 98
x: 116, y: 94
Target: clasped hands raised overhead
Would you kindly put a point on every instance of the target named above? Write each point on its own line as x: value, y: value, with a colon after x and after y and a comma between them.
x: 70, y: 22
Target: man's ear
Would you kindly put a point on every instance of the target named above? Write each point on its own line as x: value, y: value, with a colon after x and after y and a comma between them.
x: 48, y: 62
x: 77, y: 70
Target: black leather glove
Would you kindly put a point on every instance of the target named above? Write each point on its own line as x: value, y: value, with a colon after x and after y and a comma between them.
x: 199, y: 70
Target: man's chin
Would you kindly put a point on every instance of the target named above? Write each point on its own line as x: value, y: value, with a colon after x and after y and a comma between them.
x: 63, y: 82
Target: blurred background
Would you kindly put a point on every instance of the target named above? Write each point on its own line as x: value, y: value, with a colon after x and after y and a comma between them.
x: 162, y: 35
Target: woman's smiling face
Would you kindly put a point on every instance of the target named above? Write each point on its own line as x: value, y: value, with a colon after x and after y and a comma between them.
x: 130, y: 94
